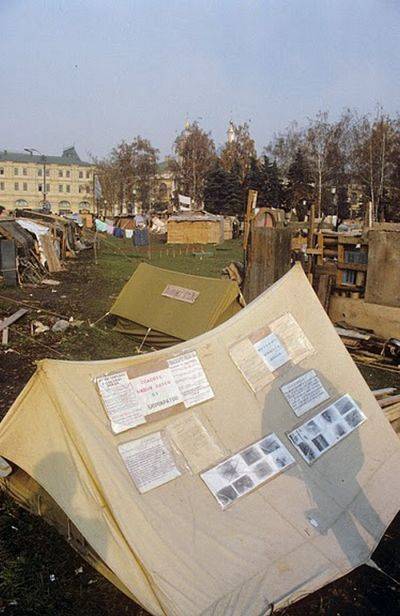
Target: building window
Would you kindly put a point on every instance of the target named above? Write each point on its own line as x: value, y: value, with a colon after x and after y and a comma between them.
x: 68, y: 174
x: 47, y: 187
x: 15, y: 170
x: 64, y: 207
x: 16, y: 185
x: 1, y: 170
x: 40, y: 188
x: 60, y: 173
x: 68, y: 187
x: 88, y: 174
x: 60, y: 188
x: 84, y: 205
x: 81, y: 174
x: 81, y: 188
x: 40, y: 172
x: 88, y: 189
x: 47, y: 173
x: 24, y: 171
x: 25, y: 186
x: 1, y: 185
x: 21, y: 203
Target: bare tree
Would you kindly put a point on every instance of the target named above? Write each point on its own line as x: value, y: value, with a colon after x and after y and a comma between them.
x: 239, y: 151
x: 195, y: 153
x: 144, y: 166
x: 375, y: 157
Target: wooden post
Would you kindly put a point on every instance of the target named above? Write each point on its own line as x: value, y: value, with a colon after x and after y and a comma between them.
x: 251, y: 206
x: 268, y: 259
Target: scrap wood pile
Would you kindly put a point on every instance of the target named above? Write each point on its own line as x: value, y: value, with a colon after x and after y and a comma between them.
x: 66, y: 232
x: 367, y: 348
x: 33, y: 244
x: 26, y: 256
x: 389, y: 401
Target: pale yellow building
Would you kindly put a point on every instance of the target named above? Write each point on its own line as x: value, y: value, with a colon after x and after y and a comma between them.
x: 29, y: 179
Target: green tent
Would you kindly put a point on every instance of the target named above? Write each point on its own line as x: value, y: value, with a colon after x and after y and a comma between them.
x: 166, y: 307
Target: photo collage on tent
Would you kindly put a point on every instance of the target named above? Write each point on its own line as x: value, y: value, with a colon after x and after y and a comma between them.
x: 247, y: 469
x: 327, y: 428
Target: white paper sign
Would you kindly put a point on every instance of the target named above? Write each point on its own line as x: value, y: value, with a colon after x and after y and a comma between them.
x: 149, y: 461
x: 304, y: 393
x: 247, y: 469
x: 272, y: 351
x: 327, y: 428
x: 120, y: 402
x: 190, y: 379
x: 156, y: 391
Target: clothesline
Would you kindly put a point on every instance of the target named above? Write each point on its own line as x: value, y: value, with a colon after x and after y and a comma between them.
x: 106, y: 227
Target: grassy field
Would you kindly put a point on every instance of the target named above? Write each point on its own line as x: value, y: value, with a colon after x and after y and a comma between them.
x: 40, y: 575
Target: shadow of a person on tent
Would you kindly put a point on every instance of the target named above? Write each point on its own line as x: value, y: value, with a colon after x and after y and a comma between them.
x: 331, y: 479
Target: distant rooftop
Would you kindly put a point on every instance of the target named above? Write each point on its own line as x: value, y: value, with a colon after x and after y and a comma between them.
x: 68, y: 157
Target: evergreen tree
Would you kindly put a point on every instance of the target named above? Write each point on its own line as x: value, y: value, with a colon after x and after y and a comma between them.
x: 271, y: 192
x: 253, y: 179
x: 217, y: 190
x: 299, y: 189
x: 237, y: 192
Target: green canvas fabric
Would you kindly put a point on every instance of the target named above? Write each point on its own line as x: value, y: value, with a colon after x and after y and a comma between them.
x: 142, y: 304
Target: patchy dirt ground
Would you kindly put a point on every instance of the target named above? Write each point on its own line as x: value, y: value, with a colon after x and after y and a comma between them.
x: 31, y: 553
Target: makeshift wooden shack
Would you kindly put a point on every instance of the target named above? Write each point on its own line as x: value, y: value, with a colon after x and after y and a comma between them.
x: 228, y: 227
x: 356, y: 275
x: 195, y: 228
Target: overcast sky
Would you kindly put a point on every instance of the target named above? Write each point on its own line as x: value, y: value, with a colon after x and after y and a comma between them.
x: 93, y: 72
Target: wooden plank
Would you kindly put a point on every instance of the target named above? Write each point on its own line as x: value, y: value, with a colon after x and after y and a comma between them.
x: 389, y: 401
x: 392, y: 412
x: 11, y: 319
x: 378, y: 393
x: 358, y: 267
x: 352, y: 239
x: 351, y: 333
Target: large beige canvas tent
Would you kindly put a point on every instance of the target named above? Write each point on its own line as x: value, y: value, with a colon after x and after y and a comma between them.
x: 176, y: 548
x: 166, y: 307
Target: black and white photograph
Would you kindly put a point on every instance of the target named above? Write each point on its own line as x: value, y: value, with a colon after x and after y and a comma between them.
x: 268, y: 445
x: 251, y: 455
x: 327, y: 428
x: 248, y: 469
x: 320, y: 442
x: 228, y: 470
x: 354, y: 418
x: 330, y: 415
x: 281, y: 459
x: 226, y: 496
x: 344, y: 405
x: 243, y: 484
x: 262, y: 470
